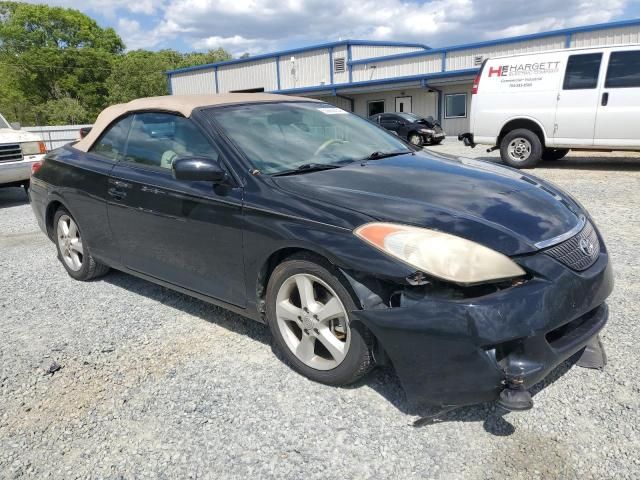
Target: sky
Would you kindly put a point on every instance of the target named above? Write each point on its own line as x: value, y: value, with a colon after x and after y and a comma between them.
x: 262, y: 26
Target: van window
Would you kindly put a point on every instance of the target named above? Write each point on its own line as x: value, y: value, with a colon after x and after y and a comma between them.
x: 624, y: 70
x: 582, y: 71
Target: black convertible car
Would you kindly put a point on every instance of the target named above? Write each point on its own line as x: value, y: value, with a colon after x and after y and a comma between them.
x: 473, y: 280
x: 414, y: 129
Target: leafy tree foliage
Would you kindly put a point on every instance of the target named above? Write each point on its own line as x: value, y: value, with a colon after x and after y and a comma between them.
x: 57, y: 65
x: 141, y: 73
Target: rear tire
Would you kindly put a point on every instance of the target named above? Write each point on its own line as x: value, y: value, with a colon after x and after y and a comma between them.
x: 308, y: 309
x: 73, y: 251
x: 551, y: 154
x: 437, y: 141
x: 521, y: 148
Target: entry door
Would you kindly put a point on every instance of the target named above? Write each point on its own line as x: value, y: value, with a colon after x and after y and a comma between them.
x: 619, y: 105
x: 185, y: 233
x: 578, y: 100
x: 403, y: 105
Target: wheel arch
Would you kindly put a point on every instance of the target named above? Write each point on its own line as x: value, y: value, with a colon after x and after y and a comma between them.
x: 52, y: 207
x: 526, y: 123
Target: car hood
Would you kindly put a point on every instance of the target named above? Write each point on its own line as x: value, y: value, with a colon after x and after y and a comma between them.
x: 9, y: 135
x: 502, y: 208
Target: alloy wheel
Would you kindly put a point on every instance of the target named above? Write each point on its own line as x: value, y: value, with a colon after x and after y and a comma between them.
x: 313, y: 321
x: 519, y: 149
x: 70, y: 243
x: 415, y: 140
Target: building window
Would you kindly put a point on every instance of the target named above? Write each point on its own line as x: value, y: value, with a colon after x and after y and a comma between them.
x: 375, y: 106
x: 455, y: 105
x: 582, y: 71
x: 624, y: 70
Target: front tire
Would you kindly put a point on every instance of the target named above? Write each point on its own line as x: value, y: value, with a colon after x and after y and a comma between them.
x: 73, y: 252
x: 415, y: 139
x: 308, y: 314
x: 552, y: 154
x: 521, y: 148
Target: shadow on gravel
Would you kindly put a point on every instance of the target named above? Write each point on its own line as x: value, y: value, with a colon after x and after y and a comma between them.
x: 383, y: 380
x: 12, y: 197
x: 386, y: 383
x: 192, y: 306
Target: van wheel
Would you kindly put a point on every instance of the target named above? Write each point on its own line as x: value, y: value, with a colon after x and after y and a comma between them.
x: 554, y: 153
x: 521, y: 148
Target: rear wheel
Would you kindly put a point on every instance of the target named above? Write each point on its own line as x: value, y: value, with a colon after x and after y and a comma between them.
x: 73, y: 252
x: 437, y: 141
x: 521, y: 148
x: 551, y: 154
x: 308, y: 315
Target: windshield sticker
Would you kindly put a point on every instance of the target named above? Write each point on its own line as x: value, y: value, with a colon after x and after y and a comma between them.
x: 333, y: 111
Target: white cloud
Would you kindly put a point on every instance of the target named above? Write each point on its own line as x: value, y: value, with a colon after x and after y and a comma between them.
x: 252, y: 25
x: 257, y: 26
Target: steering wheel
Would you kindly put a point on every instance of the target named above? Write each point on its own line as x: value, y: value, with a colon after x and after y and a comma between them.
x: 326, y: 144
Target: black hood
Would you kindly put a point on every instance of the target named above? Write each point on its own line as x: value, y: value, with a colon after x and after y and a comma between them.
x: 500, y: 207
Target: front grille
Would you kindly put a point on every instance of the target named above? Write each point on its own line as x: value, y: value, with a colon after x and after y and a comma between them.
x: 10, y: 153
x: 580, y: 251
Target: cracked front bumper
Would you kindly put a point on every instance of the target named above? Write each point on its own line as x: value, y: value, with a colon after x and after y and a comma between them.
x: 458, y: 352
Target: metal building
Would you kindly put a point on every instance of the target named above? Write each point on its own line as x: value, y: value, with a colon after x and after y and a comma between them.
x: 369, y: 77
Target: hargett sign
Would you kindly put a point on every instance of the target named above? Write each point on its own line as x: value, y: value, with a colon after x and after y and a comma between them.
x: 523, y: 69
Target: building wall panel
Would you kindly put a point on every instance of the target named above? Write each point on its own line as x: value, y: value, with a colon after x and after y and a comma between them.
x: 609, y: 36
x: 196, y: 81
x: 455, y: 126
x: 397, y: 68
x: 243, y: 76
x: 341, y: 52
x: 423, y: 102
x: 359, y: 52
x: 463, y: 59
x: 308, y: 69
x: 341, y: 102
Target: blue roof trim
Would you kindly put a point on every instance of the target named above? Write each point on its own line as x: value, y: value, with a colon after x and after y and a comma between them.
x: 309, y: 48
x: 412, y: 78
x: 521, y: 38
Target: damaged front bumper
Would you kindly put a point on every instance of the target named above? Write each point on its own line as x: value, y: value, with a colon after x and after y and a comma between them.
x: 454, y: 352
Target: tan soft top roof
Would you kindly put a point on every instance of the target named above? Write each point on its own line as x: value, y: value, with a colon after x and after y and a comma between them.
x: 183, y: 104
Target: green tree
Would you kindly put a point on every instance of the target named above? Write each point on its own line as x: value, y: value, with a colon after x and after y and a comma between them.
x: 141, y: 73
x: 52, y: 53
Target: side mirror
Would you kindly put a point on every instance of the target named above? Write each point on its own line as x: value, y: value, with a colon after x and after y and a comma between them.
x: 198, y: 169
x: 16, y: 125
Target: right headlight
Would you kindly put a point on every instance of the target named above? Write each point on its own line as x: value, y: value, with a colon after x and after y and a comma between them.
x: 439, y: 254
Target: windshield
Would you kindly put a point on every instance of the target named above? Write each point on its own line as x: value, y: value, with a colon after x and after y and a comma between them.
x: 278, y: 137
x: 410, y: 117
x: 3, y: 122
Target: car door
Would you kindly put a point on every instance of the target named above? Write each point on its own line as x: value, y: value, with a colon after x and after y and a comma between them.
x: 391, y: 122
x: 185, y: 233
x: 86, y: 186
x: 619, y: 105
x: 577, y: 100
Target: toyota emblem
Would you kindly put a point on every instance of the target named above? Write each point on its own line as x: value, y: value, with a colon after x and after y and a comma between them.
x: 586, y: 247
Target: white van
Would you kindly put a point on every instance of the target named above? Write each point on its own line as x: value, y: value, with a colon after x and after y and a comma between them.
x: 539, y: 105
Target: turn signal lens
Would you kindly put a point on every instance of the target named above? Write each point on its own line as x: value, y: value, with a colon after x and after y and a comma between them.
x: 34, y: 148
x: 439, y: 254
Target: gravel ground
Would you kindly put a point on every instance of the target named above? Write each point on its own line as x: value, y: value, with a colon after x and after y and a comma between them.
x: 154, y: 384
